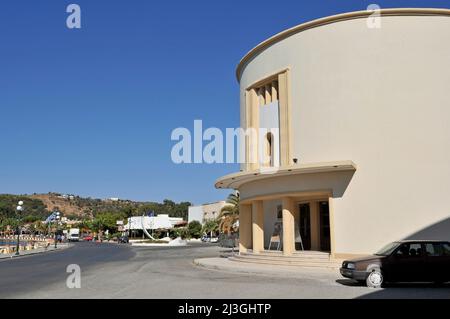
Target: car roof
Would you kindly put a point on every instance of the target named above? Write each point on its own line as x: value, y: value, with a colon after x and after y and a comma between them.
x: 422, y: 241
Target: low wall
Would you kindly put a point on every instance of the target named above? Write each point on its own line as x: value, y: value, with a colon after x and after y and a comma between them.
x: 26, y: 243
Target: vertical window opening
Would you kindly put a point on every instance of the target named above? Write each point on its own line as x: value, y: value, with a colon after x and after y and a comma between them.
x: 269, y: 149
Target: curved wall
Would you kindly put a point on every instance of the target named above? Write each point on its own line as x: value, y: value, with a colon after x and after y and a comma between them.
x: 378, y: 97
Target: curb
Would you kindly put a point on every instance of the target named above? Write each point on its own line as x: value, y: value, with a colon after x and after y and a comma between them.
x: 13, y: 257
x: 278, y: 271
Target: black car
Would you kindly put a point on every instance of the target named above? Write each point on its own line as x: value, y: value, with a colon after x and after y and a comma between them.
x: 402, y: 261
x: 123, y: 240
x: 229, y: 240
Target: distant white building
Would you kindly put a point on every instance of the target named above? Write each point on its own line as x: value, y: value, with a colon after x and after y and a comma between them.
x: 203, y: 213
x: 161, y: 221
x: 66, y: 196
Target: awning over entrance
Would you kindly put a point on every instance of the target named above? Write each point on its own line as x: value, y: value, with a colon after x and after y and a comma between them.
x: 236, y: 180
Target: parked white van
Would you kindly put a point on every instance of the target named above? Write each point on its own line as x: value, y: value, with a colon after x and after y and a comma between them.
x: 74, y: 234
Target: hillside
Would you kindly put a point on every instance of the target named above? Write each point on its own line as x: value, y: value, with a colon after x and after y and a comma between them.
x: 77, y: 207
x: 69, y: 207
x: 35, y: 208
x: 39, y: 206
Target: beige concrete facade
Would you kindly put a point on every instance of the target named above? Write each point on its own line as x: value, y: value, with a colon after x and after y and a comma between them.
x: 365, y: 113
x: 205, y: 212
x: 257, y: 226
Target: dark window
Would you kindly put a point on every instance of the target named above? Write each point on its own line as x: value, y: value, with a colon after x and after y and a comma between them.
x: 409, y: 250
x: 325, y: 241
x: 279, y: 212
x: 305, y: 226
x: 446, y: 249
x: 433, y: 249
x: 269, y: 149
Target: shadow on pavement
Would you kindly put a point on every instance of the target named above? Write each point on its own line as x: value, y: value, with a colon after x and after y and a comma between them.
x: 402, y: 290
x: 349, y: 282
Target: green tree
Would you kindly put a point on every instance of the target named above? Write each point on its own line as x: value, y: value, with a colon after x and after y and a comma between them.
x: 30, y: 219
x: 182, y: 232
x: 210, y: 227
x: 85, y: 226
x: 33, y: 208
x: 106, y: 221
x: 40, y: 227
x: 195, y: 229
x: 10, y: 223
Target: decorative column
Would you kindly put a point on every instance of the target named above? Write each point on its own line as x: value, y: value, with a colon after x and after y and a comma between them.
x: 245, y: 227
x: 288, y: 226
x: 258, y: 226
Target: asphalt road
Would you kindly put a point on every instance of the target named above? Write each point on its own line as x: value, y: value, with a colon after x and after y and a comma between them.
x: 120, y: 271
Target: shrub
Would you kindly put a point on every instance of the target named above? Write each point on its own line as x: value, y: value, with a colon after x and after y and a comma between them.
x: 182, y: 232
x: 195, y: 229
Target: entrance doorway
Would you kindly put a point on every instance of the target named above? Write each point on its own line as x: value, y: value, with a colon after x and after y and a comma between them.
x: 305, y: 227
x: 324, y: 217
x: 314, y: 225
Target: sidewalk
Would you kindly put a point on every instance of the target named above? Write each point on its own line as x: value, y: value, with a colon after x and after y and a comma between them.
x: 35, y: 251
x: 224, y: 264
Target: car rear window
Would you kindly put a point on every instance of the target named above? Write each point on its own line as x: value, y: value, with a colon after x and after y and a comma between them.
x: 434, y: 249
x: 446, y: 249
x: 437, y: 249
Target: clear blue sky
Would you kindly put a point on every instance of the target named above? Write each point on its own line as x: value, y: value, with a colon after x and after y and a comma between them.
x: 91, y: 111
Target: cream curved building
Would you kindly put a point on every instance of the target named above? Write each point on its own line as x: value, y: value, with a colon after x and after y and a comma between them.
x: 358, y: 139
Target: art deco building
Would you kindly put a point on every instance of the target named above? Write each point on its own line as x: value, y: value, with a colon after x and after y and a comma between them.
x: 359, y: 139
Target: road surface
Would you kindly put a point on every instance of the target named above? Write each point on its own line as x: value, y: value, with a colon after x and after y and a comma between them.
x: 121, y: 271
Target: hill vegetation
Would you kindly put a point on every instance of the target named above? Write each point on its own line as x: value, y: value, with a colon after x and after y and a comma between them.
x: 39, y: 206
x: 36, y: 209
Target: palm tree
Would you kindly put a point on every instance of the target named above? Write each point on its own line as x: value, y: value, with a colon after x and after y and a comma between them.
x: 41, y: 228
x: 85, y: 226
x: 8, y: 225
x: 3, y: 227
x: 32, y: 228
x: 229, y: 214
x: 211, y: 226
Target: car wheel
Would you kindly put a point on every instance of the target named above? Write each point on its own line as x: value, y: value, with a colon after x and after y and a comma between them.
x: 375, y: 279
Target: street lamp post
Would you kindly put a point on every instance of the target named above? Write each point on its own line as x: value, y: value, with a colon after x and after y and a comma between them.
x: 129, y: 227
x: 19, y: 209
x: 56, y: 229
